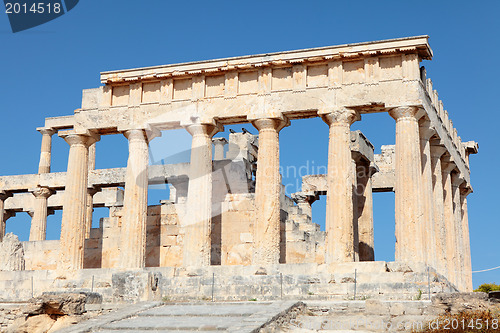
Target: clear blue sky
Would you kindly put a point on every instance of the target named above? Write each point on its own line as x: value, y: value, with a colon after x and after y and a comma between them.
x: 43, y: 71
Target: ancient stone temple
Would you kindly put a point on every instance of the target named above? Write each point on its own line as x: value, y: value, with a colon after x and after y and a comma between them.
x: 227, y: 216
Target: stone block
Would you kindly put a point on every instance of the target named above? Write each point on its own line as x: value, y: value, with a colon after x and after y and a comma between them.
x: 168, y: 240
x: 169, y: 229
x: 376, y: 307
x: 246, y: 237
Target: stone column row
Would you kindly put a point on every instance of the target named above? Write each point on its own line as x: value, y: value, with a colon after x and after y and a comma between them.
x: 431, y: 217
x: 428, y: 230
x: 39, y: 217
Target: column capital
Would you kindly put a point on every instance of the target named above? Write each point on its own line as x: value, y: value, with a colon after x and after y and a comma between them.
x: 342, y: 116
x: 406, y: 112
x: 271, y: 123
x: 204, y: 129
x: 456, y: 179
x: 426, y: 129
x: 465, y: 190
x: 80, y: 139
x: 302, y: 197
x: 437, y: 151
x: 447, y: 166
x: 46, y: 130
x: 219, y: 140
x: 373, y: 169
x: 4, y: 195
x: 41, y: 192
x: 135, y: 134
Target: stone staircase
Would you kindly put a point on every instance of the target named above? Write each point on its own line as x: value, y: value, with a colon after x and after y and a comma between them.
x: 362, y: 316
x: 192, y: 317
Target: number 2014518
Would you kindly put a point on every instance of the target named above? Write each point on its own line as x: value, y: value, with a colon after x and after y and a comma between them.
x: 36, y: 8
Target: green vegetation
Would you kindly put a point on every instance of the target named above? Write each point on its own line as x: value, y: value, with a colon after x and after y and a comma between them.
x: 487, y: 287
x: 419, y: 295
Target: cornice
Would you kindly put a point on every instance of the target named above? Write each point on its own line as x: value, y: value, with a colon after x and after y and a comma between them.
x: 409, y: 45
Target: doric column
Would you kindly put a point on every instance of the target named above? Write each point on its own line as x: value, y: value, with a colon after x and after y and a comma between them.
x: 197, y: 238
x: 135, y: 201
x: 339, y: 199
x: 449, y: 219
x: 90, y: 194
x: 3, y: 196
x: 355, y: 212
x: 74, y: 206
x: 438, y: 209
x: 39, y: 220
x: 267, y: 193
x: 365, y: 211
x: 456, y: 182
x: 45, y: 151
x: 408, y: 186
x: 219, y: 144
x: 466, y: 251
x: 90, y: 210
x: 426, y: 131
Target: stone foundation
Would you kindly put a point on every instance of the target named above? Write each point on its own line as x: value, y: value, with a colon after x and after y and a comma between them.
x: 382, y: 280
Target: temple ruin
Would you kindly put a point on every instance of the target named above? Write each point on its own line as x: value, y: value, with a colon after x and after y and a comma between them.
x: 227, y: 212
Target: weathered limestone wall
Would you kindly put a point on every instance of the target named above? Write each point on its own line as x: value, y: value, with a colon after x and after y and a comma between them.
x: 374, y: 280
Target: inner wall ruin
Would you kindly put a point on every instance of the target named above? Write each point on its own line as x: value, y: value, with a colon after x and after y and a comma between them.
x: 227, y: 213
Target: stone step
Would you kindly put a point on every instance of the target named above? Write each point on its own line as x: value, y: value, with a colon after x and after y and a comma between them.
x: 363, y: 316
x: 185, y: 317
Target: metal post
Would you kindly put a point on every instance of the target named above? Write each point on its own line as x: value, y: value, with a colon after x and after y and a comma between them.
x: 428, y: 283
x: 92, y: 290
x: 355, y: 282
x: 213, y: 283
x: 281, y: 282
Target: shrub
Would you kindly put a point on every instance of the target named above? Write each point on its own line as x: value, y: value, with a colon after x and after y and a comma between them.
x: 487, y: 287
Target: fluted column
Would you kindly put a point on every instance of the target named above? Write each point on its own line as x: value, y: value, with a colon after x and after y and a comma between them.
x: 135, y: 202
x: 197, y: 238
x: 90, y: 209
x: 219, y: 144
x: 339, y: 199
x: 449, y: 218
x: 456, y: 182
x: 39, y: 220
x: 74, y: 206
x: 267, y: 193
x: 3, y: 196
x: 365, y: 211
x: 466, y: 250
x: 408, y: 187
x: 426, y: 132
x: 438, y: 209
x: 90, y: 194
x: 45, y: 151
